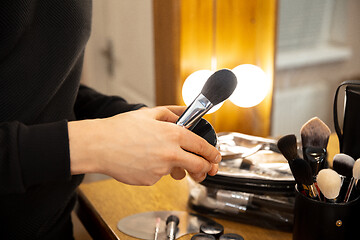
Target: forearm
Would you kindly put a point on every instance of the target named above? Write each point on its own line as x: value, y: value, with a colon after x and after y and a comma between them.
x: 32, y: 155
x: 84, y: 145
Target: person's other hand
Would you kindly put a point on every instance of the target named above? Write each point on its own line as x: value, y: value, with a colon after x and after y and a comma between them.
x: 140, y: 147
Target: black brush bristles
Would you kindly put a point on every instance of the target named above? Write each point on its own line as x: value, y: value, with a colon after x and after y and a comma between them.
x: 315, y: 133
x: 343, y: 164
x: 302, y: 171
x: 288, y: 147
x: 219, y: 86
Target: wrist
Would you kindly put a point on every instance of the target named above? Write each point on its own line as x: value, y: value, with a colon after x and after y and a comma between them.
x: 83, y: 156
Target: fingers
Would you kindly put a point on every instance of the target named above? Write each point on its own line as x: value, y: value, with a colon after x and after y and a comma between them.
x: 178, y: 173
x: 191, y: 162
x: 191, y: 142
x: 214, y: 169
x: 168, y: 113
x: 164, y: 114
x: 178, y: 110
x: 198, y: 177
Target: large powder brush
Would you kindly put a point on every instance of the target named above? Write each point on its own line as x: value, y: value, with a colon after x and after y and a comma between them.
x: 315, y: 133
x: 217, y: 89
x: 315, y: 137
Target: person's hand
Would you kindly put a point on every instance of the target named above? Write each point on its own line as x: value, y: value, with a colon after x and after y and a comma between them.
x: 179, y: 173
x: 140, y: 147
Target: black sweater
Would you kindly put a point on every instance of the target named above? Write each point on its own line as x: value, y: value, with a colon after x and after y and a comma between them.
x: 41, y: 52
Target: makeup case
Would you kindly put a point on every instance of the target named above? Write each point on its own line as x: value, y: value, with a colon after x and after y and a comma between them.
x: 349, y: 134
x: 254, y: 184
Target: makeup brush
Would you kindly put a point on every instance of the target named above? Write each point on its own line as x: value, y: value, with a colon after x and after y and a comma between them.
x: 343, y: 164
x: 217, y: 89
x: 288, y: 147
x: 172, y: 223
x: 303, y: 174
x: 315, y: 134
x: 157, y: 228
x: 355, y: 178
x: 329, y: 183
x: 316, y: 157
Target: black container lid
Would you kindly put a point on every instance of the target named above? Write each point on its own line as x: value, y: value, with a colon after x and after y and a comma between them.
x: 202, y: 236
x: 212, y: 228
x: 231, y: 236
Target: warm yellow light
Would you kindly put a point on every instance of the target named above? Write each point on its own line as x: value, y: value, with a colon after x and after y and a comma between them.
x: 253, y: 86
x: 193, y: 85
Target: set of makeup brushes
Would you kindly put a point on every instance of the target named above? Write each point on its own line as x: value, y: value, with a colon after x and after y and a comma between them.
x: 310, y: 169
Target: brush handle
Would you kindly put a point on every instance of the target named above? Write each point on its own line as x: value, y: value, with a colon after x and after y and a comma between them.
x: 316, y: 157
x: 350, y: 188
x: 311, y: 191
x: 193, y: 113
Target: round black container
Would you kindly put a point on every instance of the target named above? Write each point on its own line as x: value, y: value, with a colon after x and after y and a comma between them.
x: 202, y: 236
x: 231, y: 236
x: 212, y: 228
x: 205, y: 130
x: 314, y: 220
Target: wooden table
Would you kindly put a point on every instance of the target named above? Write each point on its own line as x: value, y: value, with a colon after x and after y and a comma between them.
x: 102, y: 204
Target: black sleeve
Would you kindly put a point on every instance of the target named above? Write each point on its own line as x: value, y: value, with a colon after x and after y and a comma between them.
x: 25, y: 152
x: 92, y: 104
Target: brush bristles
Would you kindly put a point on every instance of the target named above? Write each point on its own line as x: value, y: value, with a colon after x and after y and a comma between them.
x: 219, y: 86
x: 315, y: 133
x: 288, y: 147
x: 329, y: 183
x: 356, y: 169
x: 302, y: 171
x: 343, y: 164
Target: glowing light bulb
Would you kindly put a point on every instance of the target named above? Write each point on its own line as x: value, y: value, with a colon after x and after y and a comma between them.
x: 253, y: 86
x: 193, y: 85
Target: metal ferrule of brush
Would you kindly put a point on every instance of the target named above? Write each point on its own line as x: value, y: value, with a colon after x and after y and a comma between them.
x: 314, y: 192
x: 198, y: 108
x: 238, y: 198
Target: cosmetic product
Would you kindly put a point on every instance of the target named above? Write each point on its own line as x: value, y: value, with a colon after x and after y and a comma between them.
x: 202, y: 236
x: 231, y: 236
x: 171, y: 226
x: 212, y: 228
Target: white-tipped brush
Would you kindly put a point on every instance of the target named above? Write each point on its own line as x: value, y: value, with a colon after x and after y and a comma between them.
x: 355, y: 178
x: 329, y: 183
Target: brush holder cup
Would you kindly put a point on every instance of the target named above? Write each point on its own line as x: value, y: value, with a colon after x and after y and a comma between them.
x: 316, y: 220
